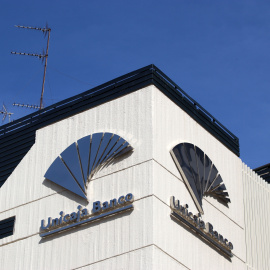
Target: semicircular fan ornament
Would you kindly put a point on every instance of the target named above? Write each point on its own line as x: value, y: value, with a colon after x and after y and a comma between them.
x: 199, y: 173
x: 78, y: 163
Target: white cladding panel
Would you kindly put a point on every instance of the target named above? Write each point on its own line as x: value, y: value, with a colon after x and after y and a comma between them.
x: 136, y: 179
x: 145, y: 238
x: 84, y: 245
x: 129, y: 117
x: 147, y: 258
x: 31, y: 198
x: 165, y: 184
x: 185, y: 246
x: 173, y: 126
x: 257, y: 209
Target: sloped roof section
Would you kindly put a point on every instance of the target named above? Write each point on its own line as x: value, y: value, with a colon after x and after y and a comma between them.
x: 16, y: 138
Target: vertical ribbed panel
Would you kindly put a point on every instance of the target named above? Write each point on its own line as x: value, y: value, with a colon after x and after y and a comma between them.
x: 257, y: 208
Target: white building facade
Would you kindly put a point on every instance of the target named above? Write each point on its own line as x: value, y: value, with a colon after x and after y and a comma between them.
x: 145, y: 235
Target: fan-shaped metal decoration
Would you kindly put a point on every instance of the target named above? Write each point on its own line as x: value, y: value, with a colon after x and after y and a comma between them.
x: 199, y: 173
x: 77, y: 164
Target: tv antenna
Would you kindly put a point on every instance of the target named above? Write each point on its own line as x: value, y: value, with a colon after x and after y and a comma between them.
x: 46, y: 31
x: 5, y: 113
x: 26, y: 106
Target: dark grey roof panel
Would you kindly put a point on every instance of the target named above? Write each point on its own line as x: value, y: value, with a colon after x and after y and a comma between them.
x: 264, y: 172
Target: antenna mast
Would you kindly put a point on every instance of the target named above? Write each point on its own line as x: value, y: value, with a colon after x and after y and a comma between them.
x: 26, y: 105
x: 5, y: 113
x: 46, y: 31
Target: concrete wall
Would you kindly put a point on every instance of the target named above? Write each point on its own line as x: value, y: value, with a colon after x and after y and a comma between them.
x: 146, y: 238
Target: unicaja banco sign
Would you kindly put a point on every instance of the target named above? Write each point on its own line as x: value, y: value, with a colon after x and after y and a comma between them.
x: 199, y: 173
x: 83, y: 216
x: 202, y: 179
x: 77, y: 164
x: 74, y: 168
x: 196, y: 223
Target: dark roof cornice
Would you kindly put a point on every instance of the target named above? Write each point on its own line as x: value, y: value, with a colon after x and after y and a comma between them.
x: 17, y: 137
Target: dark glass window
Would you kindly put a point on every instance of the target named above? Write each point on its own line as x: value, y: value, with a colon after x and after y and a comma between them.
x: 7, y: 227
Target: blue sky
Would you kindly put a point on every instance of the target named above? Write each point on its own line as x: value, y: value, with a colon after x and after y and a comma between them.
x: 216, y: 51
